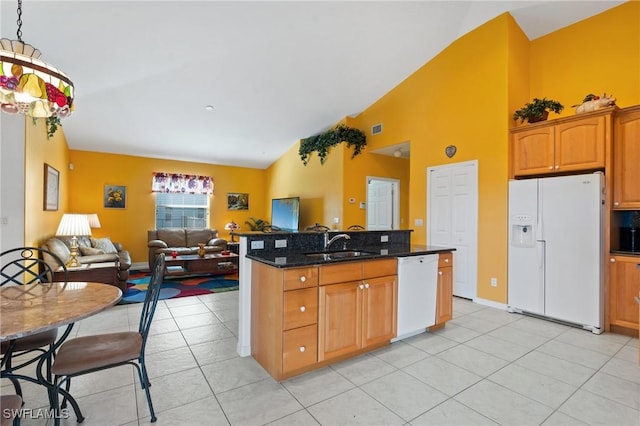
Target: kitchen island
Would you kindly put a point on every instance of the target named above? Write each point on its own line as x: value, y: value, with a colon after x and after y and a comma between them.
x: 302, y: 307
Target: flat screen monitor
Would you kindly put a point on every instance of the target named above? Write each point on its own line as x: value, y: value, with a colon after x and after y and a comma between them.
x: 285, y: 213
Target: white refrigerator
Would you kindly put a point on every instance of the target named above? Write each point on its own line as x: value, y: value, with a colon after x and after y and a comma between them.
x: 555, y: 248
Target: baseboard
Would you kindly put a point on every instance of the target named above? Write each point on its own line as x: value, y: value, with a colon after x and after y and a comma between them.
x: 490, y: 303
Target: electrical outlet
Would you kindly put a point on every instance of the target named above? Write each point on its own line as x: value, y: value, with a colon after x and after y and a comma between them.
x: 494, y: 282
x: 281, y: 243
x: 257, y: 245
x: 336, y: 220
x: 384, y: 238
x: 419, y: 222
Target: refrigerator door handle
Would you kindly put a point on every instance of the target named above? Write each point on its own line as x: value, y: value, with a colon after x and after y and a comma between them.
x: 539, y: 219
x: 541, y: 254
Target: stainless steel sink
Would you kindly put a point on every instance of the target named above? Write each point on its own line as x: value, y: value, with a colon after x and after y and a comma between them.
x: 339, y: 254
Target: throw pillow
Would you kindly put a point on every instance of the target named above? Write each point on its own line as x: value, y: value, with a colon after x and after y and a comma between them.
x: 90, y: 251
x: 104, y: 244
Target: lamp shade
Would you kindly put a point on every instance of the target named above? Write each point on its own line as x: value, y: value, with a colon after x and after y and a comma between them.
x: 232, y: 226
x: 94, y: 222
x: 73, y: 225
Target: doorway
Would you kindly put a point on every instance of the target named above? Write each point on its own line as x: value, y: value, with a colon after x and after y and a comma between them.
x: 383, y: 203
x: 452, y: 220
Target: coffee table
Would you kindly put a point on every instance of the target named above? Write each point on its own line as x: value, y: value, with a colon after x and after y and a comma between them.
x: 211, y: 263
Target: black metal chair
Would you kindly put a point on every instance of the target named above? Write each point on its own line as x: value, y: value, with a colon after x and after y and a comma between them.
x: 83, y: 355
x: 22, y: 266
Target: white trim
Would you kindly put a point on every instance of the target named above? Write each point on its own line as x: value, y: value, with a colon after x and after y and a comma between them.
x: 490, y: 303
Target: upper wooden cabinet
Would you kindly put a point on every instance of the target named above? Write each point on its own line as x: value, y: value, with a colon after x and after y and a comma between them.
x: 626, y: 163
x: 564, y: 145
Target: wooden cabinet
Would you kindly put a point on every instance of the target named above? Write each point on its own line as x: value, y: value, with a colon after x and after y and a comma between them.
x: 626, y: 169
x: 297, y: 325
x: 624, y: 285
x: 284, y: 318
x: 357, y: 314
x: 444, y: 303
x: 560, y: 146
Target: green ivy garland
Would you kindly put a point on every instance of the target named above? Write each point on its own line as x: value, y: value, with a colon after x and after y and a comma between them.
x: 321, y: 143
x: 52, y: 125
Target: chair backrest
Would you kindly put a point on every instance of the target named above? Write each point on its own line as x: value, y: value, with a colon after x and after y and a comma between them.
x: 26, y: 265
x: 151, y: 299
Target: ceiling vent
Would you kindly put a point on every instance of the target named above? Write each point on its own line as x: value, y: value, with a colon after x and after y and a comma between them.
x: 376, y: 129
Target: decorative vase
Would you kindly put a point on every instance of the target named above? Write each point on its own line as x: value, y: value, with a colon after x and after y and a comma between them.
x: 201, y: 251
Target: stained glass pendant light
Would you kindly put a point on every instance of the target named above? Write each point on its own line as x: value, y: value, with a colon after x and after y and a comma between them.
x: 28, y: 85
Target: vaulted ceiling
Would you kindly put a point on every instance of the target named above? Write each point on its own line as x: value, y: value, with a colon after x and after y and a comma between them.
x: 273, y: 72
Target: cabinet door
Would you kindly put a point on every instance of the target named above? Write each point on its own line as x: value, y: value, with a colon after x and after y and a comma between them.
x: 580, y: 145
x: 379, y: 310
x: 624, y: 287
x: 444, y: 305
x: 339, y: 319
x: 626, y: 173
x: 533, y: 151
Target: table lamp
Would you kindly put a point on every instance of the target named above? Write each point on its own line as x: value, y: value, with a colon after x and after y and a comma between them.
x: 94, y: 222
x: 72, y: 225
x: 232, y: 226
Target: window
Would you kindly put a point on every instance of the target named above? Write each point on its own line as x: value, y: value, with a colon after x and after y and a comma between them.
x: 176, y: 210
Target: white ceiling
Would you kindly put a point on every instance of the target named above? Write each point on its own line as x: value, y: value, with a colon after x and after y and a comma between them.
x: 274, y: 72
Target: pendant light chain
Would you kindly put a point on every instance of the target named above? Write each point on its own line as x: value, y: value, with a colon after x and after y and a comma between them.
x: 19, y: 21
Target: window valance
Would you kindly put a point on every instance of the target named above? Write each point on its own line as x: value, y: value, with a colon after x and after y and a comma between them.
x: 185, y: 184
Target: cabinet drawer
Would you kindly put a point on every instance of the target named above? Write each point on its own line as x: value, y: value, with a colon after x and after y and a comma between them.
x: 300, y: 308
x: 299, y: 348
x: 341, y: 272
x: 379, y: 268
x: 445, y: 259
x: 296, y: 278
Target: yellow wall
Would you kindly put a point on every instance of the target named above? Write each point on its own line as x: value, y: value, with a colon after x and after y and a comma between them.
x: 92, y: 171
x: 40, y: 224
x: 318, y: 186
x: 596, y: 55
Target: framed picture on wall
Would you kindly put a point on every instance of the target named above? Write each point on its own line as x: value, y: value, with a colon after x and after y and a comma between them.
x: 51, y: 188
x: 115, y: 197
x: 237, y: 201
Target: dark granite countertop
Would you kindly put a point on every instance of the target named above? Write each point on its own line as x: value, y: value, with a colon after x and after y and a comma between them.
x: 290, y: 258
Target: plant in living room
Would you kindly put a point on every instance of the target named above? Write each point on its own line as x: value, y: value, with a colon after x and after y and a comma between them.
x: 322, y: 142
x: 537, y: 110
x: 256, y: 224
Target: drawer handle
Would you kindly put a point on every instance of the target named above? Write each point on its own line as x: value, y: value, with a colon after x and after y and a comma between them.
x: 612, y: 260
x: 303, y: 308
x: 550, y: 167
x: 446, y: 261
x: 439, y: 272
x: 615, y: 203
x: 557, y: 167
x: 303, y: 278
x: 302, y: 349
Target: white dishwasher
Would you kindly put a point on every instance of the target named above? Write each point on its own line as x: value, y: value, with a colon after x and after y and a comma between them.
x: 417, y: 292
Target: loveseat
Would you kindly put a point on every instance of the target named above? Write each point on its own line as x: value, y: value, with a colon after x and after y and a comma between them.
x: 91, y: 251
x: 183, y: 241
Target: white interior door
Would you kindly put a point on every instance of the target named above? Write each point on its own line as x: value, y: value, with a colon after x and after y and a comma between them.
x: 452, y: 219
x: 383, y: 197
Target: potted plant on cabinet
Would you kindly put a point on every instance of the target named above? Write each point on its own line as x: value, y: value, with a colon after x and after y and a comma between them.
x: 537, y: 110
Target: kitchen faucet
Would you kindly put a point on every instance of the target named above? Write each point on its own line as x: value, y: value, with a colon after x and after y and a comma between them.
x: 328, y: 242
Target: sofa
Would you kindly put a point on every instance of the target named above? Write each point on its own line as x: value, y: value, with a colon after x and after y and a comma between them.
x: 183, y: 241
x: 91, y: 251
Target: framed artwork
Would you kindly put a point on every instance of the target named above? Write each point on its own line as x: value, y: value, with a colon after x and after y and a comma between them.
x: 115, y: 197
x: 237, y: 201
x: 51, y: 188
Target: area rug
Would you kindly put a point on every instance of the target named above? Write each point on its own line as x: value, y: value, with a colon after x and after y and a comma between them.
x: 172, y: 287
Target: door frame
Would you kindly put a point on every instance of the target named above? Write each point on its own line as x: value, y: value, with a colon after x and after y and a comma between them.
x: 474, y: 268
x: 395, y: 207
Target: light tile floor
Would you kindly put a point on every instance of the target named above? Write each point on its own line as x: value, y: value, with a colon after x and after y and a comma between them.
x: 486, y: 366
